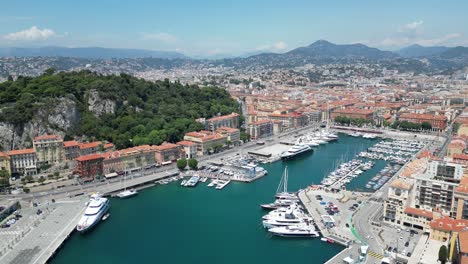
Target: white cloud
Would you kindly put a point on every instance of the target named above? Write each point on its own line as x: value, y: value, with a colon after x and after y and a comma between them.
x: 404, y: 41
x: 162, y: 36
x: 32, y: 34
x: 416, y: 25
x: 278, y: 46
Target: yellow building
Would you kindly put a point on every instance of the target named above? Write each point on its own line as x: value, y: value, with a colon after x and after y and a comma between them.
x: 49, y: 149
x: 463, y: 130
x: 5, y: 162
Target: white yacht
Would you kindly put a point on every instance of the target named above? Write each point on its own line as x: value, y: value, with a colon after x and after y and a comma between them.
x: 295, y: 150
x: 287, y: 219
x: 97, y: 208
x: 127, y: 193
x: 300, y: 230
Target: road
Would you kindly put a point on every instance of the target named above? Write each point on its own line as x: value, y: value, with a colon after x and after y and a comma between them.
x: 154, y: 172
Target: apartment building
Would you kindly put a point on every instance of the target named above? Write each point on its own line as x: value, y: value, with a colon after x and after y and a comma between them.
x: 23, y: 162
x: 437, y: 121
x: 5, y: 162
x: 205, y: 140
x: 168, y: 153
x: 352, y: 113
x: 231, y: 120
x: 435, y: 195
x: 71, y: 149
x: 49, y: 149
x: 189, y: 148
x: 232, y: 134
x: 260, y: 129
x: 130, y: 159
x: 89, y: 166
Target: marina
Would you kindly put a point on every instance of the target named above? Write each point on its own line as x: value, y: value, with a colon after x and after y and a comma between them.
x: 170, y: 200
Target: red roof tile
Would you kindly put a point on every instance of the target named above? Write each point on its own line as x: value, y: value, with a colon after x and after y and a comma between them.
x: 46, y: 137
x: 21, y: 151
x: 90, y: 157
x: 71, y: 143
x: 419, y: 212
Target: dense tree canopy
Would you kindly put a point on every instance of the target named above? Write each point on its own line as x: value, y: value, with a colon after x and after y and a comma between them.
x: 146, y: 113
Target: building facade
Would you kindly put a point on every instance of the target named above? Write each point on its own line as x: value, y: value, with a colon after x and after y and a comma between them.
x: 23, y: 162
x: 168, y: 153
x: 71, y: 149
x: 437, y: 121
x: 231, y: 120
x: 435, y: 195
x: 260, y: 129
x: 90, y: 166
x: 5, y: 163
x: 49, y: 149
x: 206, y: 141
x: 231, y: 134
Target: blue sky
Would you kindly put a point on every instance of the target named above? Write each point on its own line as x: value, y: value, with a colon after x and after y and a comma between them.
x: 209, y: 27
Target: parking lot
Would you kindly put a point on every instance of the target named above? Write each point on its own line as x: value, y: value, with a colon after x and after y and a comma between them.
x: 399, y: 240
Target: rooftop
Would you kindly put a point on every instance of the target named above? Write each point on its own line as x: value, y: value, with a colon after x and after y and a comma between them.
x: 94, y: 144
x: 419, y: 212
x: 47, y: 137
x: 218, y: 118
x: 71, y: 143
x: 448, y: 224
x: 21, y: 152
x: 401, y: 184
x: 90, y: 157
x: 166, y: 146
x: 424, y: 117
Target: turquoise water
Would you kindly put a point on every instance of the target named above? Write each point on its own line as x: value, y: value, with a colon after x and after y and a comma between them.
x: 173, y: 224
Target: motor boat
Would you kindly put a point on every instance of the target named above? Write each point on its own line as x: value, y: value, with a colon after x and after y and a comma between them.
x: 300, y: 230
x: 96, y: 209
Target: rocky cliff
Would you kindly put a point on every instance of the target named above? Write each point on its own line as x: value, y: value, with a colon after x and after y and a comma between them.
x: 58, y: 116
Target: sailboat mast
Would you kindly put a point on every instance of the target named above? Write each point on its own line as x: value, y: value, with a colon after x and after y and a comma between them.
x: 285, y: 190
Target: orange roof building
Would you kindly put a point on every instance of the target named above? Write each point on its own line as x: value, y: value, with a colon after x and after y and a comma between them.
x: 23, y: 161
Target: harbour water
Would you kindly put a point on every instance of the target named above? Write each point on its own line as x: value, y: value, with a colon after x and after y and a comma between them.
x: 172, y: 224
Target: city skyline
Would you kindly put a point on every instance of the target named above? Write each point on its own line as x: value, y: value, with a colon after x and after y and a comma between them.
x: 209, y: 28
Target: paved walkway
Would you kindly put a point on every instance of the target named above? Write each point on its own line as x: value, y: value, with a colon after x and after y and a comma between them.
x: 44, y: 235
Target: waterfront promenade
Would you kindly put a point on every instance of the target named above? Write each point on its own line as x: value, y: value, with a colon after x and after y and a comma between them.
x: 39, y: 236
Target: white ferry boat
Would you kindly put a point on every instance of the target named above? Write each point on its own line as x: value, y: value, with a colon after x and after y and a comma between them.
x: 97, y: 208
x: 295, y: 150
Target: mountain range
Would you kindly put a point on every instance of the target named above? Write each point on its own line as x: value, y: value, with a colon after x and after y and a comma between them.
x: 319, y: 52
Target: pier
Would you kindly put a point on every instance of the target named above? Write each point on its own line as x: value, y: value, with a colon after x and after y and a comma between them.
x: 41, y: 235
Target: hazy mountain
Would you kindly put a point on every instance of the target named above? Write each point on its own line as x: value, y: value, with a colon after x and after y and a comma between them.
x: 455, y: 53
x: 87, y: 52
x: 323, y: 48
x: 421, y: 51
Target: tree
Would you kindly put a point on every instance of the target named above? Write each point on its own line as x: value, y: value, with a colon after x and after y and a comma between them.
x: 193, y: 164
x: 181, y: 163
x: 443, y: 254
x: 245, y: 137
x: 4, y: 179
x: 42, y: 179
x: 426, y: 126
x: 29, y: 178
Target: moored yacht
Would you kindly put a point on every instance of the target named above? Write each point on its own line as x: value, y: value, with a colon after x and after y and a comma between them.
x: 300, y: 230
x: 295, y: 150
x: 97, y: 208
x: 127, y: 193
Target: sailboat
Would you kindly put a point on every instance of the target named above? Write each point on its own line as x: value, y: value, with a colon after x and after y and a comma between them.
x: 127, y: 193
x: 282, y: 190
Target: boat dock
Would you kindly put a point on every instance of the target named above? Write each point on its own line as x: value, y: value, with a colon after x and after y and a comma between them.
x: 337, y: 185
x: 38, y: 237
x: 312, y: 206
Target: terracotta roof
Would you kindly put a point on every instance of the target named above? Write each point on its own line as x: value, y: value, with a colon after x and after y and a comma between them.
x: 353, y: 111
x: 217, y: 118
x: 94, y: 144
x: 166, y: 146
x: 460, y: 156
x: 186, y: 143
x: 401, y: 184
x: 424, y: 117
x: 463, y: 238
x: 2, y: 154
x: 46, y: 137
x: 419, y: 212
x: 108, y: 145
x: 71, y: 143
x: 227, y: 129
x: 21, y: 151
x: 89, y: 157
x: 448, y: 224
